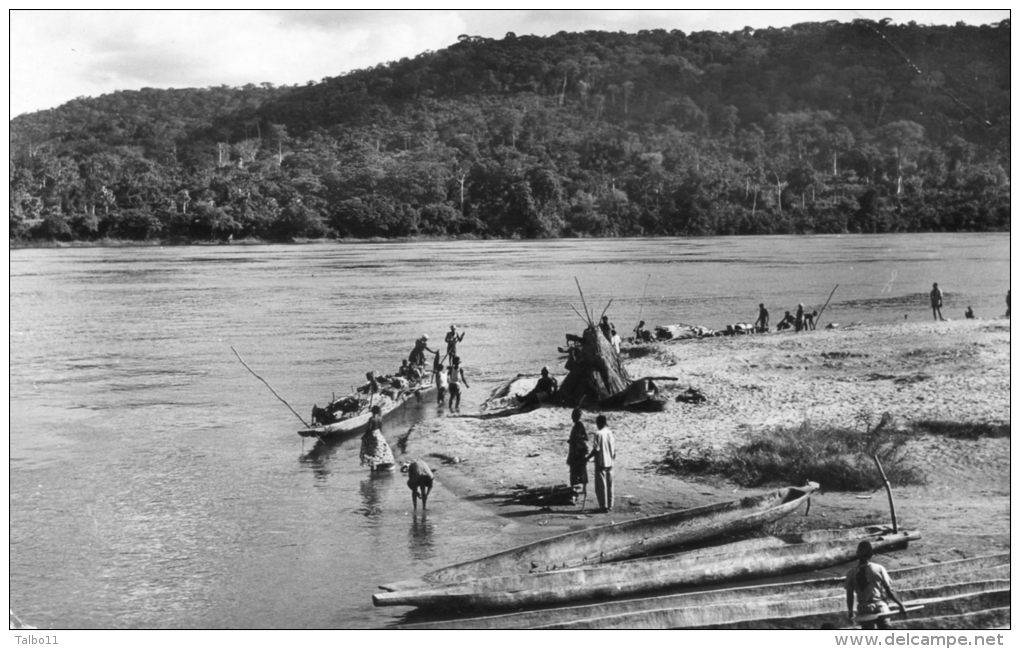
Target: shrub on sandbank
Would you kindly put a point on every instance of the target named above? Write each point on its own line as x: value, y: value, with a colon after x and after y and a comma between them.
x: 837, y: 458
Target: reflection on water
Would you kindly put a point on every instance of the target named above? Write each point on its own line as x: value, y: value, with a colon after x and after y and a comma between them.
x: 153, y: 480
x: 419, y: 539
x: 372, y: 493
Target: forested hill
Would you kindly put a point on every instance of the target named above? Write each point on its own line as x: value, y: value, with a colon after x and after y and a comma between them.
x: 817, y: 128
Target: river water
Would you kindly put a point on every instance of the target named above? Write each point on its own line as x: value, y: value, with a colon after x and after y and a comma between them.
x: 156, y: 484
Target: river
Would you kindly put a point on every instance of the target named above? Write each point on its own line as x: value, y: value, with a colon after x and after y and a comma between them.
x: 156, y: 484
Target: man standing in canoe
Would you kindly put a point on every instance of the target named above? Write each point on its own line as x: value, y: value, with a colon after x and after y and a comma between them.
x: 604, y: 452
x: 452, y: 338
x: 870, y: 583
x: 417, y: 355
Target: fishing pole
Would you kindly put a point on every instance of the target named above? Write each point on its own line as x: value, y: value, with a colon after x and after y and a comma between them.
x: 268, y: 386
x: 644, y: 292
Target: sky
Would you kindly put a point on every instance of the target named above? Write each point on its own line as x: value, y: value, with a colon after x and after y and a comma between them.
x: 58, y: 55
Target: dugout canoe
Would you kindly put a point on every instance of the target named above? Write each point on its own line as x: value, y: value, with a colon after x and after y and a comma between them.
x: 626, y: 539
x: 390, y: 403
x: 825, y: 610
x: 984, y: 568
x: 685, y: 569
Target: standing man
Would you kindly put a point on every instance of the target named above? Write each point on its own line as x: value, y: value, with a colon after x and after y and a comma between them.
x: 761, y: 325
x: 442, y: 384
x: 870, y: 583
x: 456, y: 377
x: 936, y: 302
x: 604, y: 452
x: 452, y: 338
x: 577, y: 458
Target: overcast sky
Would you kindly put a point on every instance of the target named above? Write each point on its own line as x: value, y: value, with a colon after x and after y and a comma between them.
x: 57, y: 55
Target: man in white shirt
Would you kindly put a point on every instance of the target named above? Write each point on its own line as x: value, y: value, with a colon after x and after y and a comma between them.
x: 604, y: 452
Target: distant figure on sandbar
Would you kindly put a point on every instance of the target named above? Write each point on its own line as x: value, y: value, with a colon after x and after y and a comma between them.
x: 969, y: 313
x: 419, y: 481
x: 375, y: 452
x: 809, y: 320
x: 604, y: 452
x: 936, y: 302
x: 786, y: 322
x: 577, y: 458
x: 798, y: 320
x: 870, y: 583
x: 761, y: 325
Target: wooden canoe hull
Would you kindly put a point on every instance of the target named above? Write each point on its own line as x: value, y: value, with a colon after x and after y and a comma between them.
x: 641, y: 575
x: 986, y: 568
x: 827, y: 609
x: 359, y: 424
x: 629, y: 539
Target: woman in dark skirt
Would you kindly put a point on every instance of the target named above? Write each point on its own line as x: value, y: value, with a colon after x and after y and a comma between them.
x: 577, y: 458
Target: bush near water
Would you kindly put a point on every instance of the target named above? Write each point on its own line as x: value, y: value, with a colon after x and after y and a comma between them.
x: 816, y: 128
x: 837, y: 458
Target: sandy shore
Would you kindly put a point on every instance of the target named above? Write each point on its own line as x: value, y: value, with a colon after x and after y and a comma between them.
x: 943, y: 371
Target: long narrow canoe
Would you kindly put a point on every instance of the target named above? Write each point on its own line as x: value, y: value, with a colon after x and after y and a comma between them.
x: 950, y: 600
x: 637, y: 576
x: 356, y: 425
x: 626, y: 539
x: 783, y: 612
x: 984, y: 568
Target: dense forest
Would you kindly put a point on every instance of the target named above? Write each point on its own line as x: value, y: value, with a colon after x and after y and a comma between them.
x: 816, y: 128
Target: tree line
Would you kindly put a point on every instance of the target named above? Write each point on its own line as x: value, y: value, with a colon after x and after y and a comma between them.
x: 817, y: 128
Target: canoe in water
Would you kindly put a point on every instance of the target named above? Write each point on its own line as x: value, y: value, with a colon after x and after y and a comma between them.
x: 357, y: 423
x: 684, y: 569
x: 627, y: 539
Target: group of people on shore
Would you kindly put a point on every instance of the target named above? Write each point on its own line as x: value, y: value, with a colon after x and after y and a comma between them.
x: 802, y: 321
x: 375, y: 450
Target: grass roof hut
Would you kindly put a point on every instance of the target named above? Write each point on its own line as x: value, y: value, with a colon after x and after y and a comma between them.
x: 594, y: 371
x: 596, y: 376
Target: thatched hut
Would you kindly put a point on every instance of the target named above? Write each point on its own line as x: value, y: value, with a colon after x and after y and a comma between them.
x: 594, y: 371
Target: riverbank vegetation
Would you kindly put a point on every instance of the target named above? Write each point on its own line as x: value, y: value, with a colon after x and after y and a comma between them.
x: 816, y: 128
x: 840, y: 458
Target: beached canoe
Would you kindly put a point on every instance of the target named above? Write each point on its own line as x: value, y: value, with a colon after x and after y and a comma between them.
x: 708, y: 566
x: 685, y: 569
x: 608, y: 613
x: 626, y: 539
x: 390, y: 402
x: 825, y: 610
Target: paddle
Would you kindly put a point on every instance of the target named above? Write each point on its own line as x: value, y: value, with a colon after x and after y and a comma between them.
x: 871, y: 617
